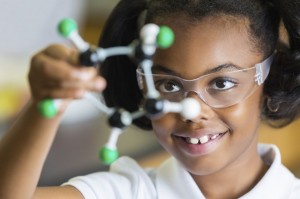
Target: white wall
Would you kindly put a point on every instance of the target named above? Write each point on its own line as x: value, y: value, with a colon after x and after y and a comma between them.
x: 26, y: 25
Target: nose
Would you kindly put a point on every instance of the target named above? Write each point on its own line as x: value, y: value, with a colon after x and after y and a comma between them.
x: 206, y: 112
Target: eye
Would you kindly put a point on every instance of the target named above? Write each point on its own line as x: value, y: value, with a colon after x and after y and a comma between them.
x: 222, y: 84
x: 168, y: 86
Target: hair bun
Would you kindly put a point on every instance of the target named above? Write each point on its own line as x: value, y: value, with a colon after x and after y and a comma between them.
x: 282, y: 90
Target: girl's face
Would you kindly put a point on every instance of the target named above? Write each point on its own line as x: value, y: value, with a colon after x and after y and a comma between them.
x: 199, y: 47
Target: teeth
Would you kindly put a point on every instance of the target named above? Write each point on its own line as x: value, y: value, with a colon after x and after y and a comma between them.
x: 204, y: 139
x: 214, y: 136
x: 201, y: 140
x: 192, y: 140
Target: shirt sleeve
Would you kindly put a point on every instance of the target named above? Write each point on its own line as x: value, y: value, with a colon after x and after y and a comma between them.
x: 126, y: 179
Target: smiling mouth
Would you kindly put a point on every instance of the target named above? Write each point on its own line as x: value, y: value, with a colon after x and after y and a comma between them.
x: 202, y: 140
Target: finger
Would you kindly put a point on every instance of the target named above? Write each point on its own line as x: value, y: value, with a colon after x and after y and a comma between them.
x: 57, y: 70
x: 63, y: 53
x: 84, y: 73
x: 97, y: 84
x: 70, y: 93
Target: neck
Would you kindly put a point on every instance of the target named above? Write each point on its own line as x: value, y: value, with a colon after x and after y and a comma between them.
x: 235, y: 180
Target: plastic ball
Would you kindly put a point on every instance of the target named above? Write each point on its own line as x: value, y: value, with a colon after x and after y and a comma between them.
x: 165, y: 37
x: 149, y: 32
x: 47, y: 108
x: 108, y: 155
x: 190, y: 108
x: 67, y: 26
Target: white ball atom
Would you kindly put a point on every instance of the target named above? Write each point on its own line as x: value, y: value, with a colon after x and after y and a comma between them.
x: 190, y: 108
x: 149, y: 33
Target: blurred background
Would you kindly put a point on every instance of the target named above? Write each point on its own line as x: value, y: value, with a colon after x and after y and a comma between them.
x: 28, y: 26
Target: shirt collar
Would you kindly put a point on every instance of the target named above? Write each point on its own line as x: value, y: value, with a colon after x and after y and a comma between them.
x: 277, y: 181
x: 173, y: 181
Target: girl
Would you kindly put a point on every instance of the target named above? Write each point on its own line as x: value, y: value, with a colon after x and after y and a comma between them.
x: 220, y: 45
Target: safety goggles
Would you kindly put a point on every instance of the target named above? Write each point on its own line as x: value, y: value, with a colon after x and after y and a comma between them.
x: 218, y: 90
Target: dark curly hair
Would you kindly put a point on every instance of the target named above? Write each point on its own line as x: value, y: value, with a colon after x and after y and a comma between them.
x: 282, y: 87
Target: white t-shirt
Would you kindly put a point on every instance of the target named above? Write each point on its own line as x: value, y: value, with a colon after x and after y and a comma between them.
x: 128, y: 180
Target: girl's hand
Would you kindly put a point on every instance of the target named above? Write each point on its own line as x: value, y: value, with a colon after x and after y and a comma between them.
x: 55, y: 73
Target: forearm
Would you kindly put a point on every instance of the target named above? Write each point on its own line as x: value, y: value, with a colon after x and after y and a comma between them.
x: 54, y: 73
x: 23, y: 150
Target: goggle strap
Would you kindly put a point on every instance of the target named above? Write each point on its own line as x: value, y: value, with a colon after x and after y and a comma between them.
x: 263, y: 69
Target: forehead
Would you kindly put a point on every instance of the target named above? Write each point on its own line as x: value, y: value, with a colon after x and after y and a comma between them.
x: 203, y: 44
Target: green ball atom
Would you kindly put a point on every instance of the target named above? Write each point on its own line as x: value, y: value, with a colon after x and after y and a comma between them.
x: 66, y: 27
x: 165, y: 37
x: 47, y: 108
x: 107, y: 155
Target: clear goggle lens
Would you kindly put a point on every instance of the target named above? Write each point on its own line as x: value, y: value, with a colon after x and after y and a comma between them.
x: 218, y: 90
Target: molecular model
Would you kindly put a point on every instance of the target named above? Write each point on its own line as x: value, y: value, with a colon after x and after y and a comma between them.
x: 142, y: 49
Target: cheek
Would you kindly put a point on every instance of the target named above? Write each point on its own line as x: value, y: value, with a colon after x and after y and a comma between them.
x: 245, y: 116
x: 163, y: 128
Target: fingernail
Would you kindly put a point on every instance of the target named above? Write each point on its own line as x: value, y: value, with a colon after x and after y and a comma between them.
x: 83, y: 75
x: 99, y: 84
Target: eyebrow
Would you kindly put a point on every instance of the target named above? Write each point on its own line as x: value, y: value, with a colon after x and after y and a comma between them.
x: 219, y: 68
